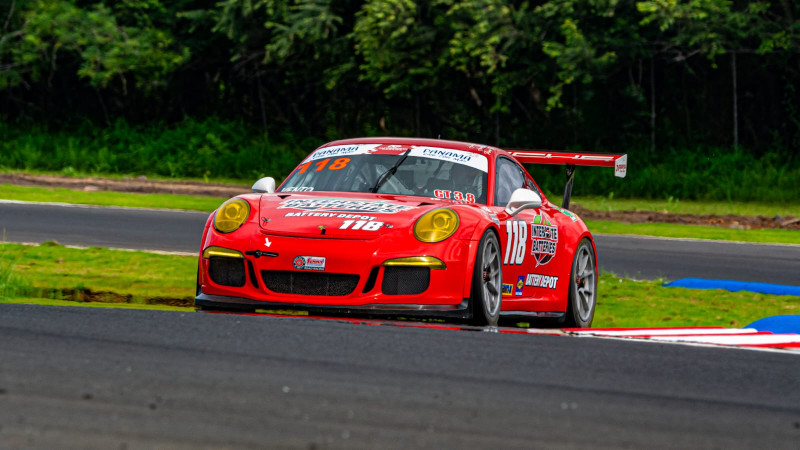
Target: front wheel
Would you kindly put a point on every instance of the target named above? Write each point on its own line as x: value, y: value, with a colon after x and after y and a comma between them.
x: 487, y: 280
x: 582, y: 287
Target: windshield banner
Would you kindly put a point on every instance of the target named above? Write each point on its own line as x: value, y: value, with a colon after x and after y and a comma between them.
x: 470, y: 159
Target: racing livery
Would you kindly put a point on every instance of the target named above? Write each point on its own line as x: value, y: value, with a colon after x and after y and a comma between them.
x: 404, y: 226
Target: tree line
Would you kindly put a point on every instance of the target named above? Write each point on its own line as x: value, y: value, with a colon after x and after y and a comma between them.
x: 583, y: 74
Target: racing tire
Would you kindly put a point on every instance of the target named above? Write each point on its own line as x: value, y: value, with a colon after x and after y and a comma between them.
x: 582, y: 287
x: 487, y: 282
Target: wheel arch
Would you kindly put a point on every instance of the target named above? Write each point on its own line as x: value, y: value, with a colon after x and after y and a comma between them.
x: 473, y: 253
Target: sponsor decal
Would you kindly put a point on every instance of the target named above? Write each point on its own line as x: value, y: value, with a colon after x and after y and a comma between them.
x: 389, y: 149
x: 516, y: 241
x: 455, y: 195
x: 495, y: 220
x: 330, y: 214
x: 605, y: 158
x: 474, y: 160
x: 343, y: 205
x: 541, y: 281
x: 298, y: 189
x: 508, y: 289
x: 309, y: 262
x: 361, y: 225
x: 340, y: 150
x: 520, y: 285
x: 544, y: 238
x: 567, y: 213
x: 621, y: 166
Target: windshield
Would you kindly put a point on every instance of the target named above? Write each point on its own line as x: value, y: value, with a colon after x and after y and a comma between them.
x: 426, y: 171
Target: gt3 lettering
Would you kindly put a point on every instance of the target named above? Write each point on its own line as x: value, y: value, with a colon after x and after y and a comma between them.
x: 516, y: 241
x: 455, y: 195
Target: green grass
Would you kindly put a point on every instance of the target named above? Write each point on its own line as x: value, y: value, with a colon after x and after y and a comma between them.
x: 626, y: 303
x: 53, y: 271
x: 671, y: 205
x: 41, y: 274
x: 669, y: 230
x: 106, y: 198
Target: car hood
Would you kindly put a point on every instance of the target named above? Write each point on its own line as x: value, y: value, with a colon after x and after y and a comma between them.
x: 341, y: 215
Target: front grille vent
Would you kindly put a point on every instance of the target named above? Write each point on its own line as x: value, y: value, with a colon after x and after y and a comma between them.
x: 399, y: 280
x: 226, y: 271
x: 309, y: 283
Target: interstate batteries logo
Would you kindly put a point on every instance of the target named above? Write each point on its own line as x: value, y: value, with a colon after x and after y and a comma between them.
x: 545, y: 240
x: 343, y: 205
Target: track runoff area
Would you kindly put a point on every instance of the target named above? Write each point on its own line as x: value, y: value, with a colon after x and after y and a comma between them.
x: 778, y: 333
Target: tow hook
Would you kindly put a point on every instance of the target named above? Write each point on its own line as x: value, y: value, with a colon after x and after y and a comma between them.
x: 259, y: 253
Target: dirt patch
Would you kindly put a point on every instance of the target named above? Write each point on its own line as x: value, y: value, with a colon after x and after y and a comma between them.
x: 138, y: 185
x: 89, y: 296
x: 143, y: 185
x: 726, y: 221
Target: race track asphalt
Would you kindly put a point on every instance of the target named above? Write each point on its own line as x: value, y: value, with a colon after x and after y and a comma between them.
x: 636, y: 257
x: 121, y: 379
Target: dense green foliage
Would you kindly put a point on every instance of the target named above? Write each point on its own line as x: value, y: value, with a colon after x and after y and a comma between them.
x: 233, y: 150
x: 189, y: 149
x: 589, y: 74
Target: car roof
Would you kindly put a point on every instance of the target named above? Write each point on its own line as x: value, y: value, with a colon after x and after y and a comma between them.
x: 441, y: 143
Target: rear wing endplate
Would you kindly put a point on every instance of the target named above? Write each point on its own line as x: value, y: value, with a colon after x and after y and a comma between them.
x: 619, y: 161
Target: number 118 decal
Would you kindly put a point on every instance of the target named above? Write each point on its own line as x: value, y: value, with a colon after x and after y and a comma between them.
x: 516, y: 241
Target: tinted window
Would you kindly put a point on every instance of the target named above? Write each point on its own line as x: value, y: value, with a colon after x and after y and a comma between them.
x: 509, y: 177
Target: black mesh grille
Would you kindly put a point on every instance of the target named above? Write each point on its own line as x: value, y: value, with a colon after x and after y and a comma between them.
x: 405, y: 280
x: 309, y: 283
x: 226, y: 271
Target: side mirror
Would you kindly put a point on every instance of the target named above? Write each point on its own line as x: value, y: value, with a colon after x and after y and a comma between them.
x: 264, y: 186
x: 523, y: 199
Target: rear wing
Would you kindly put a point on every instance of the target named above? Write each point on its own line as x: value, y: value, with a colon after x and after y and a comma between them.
x: 619, y: 161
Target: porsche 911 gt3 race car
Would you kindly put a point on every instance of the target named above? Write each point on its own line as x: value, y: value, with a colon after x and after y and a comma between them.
x: 406, y: 227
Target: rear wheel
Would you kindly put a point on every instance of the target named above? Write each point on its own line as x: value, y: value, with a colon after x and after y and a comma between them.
x: 582, y: 287
x: 487, y: 280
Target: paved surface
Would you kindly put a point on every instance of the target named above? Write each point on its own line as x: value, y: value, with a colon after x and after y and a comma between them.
x: 643, y: 258
x: 93, y: 378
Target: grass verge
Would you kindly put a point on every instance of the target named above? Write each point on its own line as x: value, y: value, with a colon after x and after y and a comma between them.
x: 672, y: 205
x: 50, y: 274
x: 669, y: 230
x: 105, y: 198
x: 95, y: 275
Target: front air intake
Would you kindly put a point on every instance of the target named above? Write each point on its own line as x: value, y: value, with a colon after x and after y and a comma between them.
x: 309, y: 283
x: 226, y: 271
x: 400, y: 280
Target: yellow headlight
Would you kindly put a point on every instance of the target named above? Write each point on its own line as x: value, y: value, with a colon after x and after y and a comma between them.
x: 231, y: 215
x: 436, y: 225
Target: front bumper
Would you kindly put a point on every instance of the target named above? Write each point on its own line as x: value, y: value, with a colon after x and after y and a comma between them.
x: 362, y: 259
x: 218, y: 302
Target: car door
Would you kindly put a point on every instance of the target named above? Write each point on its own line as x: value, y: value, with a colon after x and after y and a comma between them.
x: 528, y: 242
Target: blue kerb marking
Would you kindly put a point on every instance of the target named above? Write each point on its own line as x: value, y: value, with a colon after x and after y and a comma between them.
x: 731, y: 285
x: 778, y: 324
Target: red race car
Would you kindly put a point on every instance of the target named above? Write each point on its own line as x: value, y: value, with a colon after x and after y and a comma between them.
x: 406, y: 227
